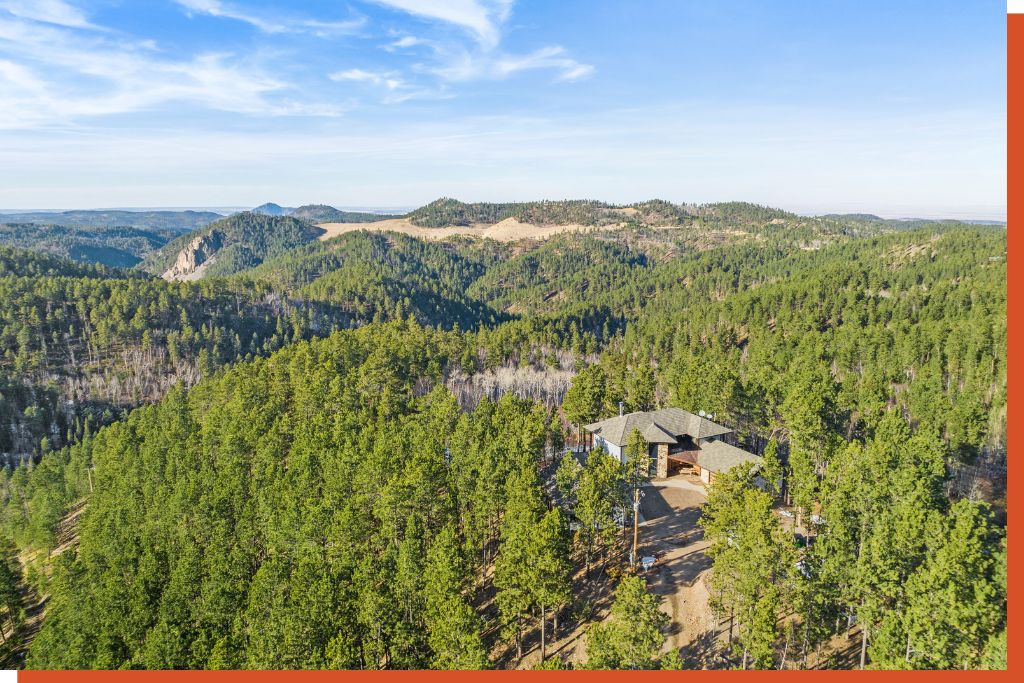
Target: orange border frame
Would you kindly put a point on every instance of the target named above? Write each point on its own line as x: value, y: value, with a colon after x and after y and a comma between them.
x: 1014, y: 287
x: 1015, y: 430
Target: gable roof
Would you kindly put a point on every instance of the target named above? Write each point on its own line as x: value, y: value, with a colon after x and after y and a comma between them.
x: 655, y: 434
x: 677, y: 421
x: 719, y: 456
x: 657, y: 426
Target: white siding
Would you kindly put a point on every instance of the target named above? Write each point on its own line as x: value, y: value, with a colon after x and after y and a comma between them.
x: 610, y: 448
x: 615, y: 451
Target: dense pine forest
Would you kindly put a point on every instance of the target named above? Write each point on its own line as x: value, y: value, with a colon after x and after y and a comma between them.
x: 360, y: 452
x: 117, y: 247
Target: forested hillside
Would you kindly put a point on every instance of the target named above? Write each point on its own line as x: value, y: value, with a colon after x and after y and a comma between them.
x: 563, y: 268
x: 446, y: 211
x: 229, y: 245
x: 377, y: 277
x: 321, y: 213
x: 383, y: 497
x: 18, y: 262
x: 915, y: 320
x: 117, y: 247
x: 733, y: 217
x: 84, y: 343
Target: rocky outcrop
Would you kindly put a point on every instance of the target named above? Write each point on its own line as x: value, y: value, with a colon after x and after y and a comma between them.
x: 199, y: 252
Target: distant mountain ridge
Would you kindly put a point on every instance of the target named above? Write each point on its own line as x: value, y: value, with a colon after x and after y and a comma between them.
x: 854, y: 216
x: 181, y: 221
x: 322, y: 213
x: 272, y: 209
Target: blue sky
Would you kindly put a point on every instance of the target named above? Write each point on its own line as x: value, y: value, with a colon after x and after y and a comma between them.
x: 897, y: 108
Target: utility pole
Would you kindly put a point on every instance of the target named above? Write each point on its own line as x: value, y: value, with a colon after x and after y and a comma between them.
x: 636, y: 524
x: 636, y: 521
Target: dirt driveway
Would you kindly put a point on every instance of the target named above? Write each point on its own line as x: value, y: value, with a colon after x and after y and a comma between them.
x: 670, y: 509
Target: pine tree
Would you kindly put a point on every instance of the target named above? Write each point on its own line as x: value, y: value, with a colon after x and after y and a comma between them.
x: 567, y: 481
x: 552, y: 568
x: 953, y: 600
x: 808, y: 412
x: 771, y: 467
x: 585, y: 398
x: 637, y: 472
x: 600, y: 496
x: 632, y: 635
x: 452, y: 624
x: 753, y: 559
x: 514, y: 574
x: 640, y: 386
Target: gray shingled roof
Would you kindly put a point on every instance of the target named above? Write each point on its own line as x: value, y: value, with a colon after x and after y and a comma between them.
x: 662, y: 426
x: 655, y: 434
x: 719, y: 456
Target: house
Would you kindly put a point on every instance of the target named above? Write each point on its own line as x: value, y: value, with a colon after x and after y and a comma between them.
x: 676, y: 440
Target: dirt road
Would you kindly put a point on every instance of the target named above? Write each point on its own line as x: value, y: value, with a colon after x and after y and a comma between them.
x: 671, y: 509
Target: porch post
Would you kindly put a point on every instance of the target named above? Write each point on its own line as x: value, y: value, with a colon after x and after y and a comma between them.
x: 662, y: 469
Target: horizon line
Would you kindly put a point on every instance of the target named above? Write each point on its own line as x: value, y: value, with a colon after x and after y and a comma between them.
x: 989, y: 214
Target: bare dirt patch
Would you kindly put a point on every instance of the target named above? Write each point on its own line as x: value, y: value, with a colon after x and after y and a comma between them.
x: 508, y: 230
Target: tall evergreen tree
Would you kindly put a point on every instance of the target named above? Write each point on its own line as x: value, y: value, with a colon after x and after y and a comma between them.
x: 453, y: 625
x: 552, y: 567
x: 753, y: 561
x: 514, y: 571
x: 632, y: 635
x: 600, y: 497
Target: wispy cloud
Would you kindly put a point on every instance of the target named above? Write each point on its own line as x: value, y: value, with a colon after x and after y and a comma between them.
x: 53, y: 75
x: 544, y: 58
x: 396, y: 89
x: 273, y: 24
x: 483, y: 60
x: 467, y: 66
x: 404, y: 43
x: 388, y: 80
x: 47, y: 11
x: 481, y: 18
x: 125, y: 107
x: 60, y: 67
